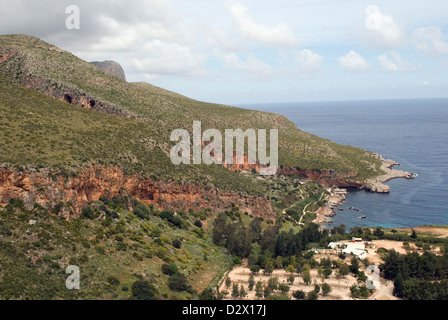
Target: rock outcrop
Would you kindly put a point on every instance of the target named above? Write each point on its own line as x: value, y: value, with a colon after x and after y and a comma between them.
x: 50, y: 187
x: 112, y: 68
x: 377, y: 184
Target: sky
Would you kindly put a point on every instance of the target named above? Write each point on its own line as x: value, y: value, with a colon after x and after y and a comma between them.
x: 246, y: 52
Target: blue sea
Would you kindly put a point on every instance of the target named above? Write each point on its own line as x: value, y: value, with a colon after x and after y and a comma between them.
x: 412, y: 132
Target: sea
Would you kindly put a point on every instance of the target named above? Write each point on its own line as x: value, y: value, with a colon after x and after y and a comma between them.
x: 412, y: 132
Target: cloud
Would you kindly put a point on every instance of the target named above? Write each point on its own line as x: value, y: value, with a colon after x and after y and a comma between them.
x: 168, y: 58
x: 145, y: 36
x: 383, y: 30
x: 253, y: 66
x: 308, y: 62
x: 429, y: 41
x: 393, y: 62
x: 353, y: 62
x: 280, y: 35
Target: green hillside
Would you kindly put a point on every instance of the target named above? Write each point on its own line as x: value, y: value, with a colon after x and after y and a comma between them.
x: 38, y: 131
x: 165, y: 111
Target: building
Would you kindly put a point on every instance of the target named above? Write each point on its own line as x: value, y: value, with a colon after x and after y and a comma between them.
x: 360, y: 254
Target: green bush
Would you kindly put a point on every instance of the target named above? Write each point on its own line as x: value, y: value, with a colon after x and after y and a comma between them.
x: 143, y: 290
x: 169, y: 269
x: 179, y: 282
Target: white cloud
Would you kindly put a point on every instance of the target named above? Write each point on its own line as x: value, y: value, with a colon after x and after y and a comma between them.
x: 353, y: 62
x: 251, y: 65
x: 308, y: 62
x: 160, y: 57
x: 393, y: 62
x: 279, y: 35
x: 383, y: 30
x: 429, y: 41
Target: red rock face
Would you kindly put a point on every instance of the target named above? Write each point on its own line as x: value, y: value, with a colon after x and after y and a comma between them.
x: 325, y: 178
x: 48, y: 188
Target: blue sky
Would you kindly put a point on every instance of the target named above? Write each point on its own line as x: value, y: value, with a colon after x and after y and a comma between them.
x: 244, y: 51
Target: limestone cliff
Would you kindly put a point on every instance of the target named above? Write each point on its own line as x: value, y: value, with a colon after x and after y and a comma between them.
x: 111, y: 67
x: 50, y: 187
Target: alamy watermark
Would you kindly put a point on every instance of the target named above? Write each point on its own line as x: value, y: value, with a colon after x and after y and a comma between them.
x: 73, y: 21
x: 73, y: 281
x: 235, y: 147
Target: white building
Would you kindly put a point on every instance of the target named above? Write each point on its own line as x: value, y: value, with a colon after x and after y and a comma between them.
x: 360, y: 254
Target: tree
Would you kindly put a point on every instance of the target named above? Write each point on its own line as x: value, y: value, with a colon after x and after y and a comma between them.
x: 251, y: 283
x: 317, y: 288
x: 242, y: 292
x: 255, y: 268
x: 312, y: 295
x: 259, y: 290
x: 269, y: 267
x: 143, y: 290
x: 378, y: 232
x: 235, y: 291
x: 220, y: 229
x: 326, y: 289
x: 255, y: 230
x: 354, y: 267
x: 207, y: 295
x: 364, y: 291
x: 414, y: 234
x: 398, y: 285
x: 327, y: 273
x: 273, y: 283
x: 228, y: 282
x: 252, y: 259
x: 299, y: 295
x: 290, y: 269
x: 306, y: 277
x: 284, y: 288
x: 267, y: 291
x: 291, y: 279
x: 279, y: 262
x: 354, y: 291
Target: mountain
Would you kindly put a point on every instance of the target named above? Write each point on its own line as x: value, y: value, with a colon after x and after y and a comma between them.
x: 86, y: 179
x: 57, y: 73
x: 111, y: 67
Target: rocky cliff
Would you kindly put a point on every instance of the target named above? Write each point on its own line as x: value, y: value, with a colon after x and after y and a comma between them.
x: 78, y: 188
x: 111, y: 67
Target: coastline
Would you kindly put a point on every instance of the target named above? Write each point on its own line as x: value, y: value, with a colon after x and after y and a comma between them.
x: 338, y: 195
x: 377, y: 184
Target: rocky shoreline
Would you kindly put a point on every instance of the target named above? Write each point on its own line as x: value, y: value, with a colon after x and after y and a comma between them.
x: 377, y: 184
x: 338, y: 196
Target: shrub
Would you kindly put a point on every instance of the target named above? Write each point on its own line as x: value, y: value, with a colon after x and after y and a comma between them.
x: 142, y: 211
x: 179, y: 282
x: 198, y: 223
x: 177, y: 243
x: 89, y: 213
x: 143, y: 290
x: 299, y: 295
x: 169, y: 269
x: 113, y: 281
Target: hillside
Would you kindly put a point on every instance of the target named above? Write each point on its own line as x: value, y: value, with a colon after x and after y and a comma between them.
x: 54, y: 72
x: 86, y: 180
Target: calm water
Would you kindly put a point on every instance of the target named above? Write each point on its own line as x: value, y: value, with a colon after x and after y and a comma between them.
x: 412, y: 132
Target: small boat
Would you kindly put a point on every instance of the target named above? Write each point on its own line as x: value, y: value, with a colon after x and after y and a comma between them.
x: 363, y: 217
x: 341, y: 209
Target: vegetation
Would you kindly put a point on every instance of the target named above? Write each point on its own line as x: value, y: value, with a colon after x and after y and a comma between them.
x: 119, y: 256
x: 164, y: 111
